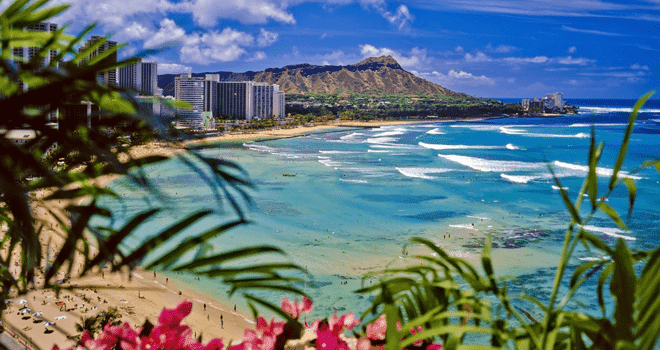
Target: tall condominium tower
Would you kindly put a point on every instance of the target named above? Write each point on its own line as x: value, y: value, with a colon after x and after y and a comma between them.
x: 263, y: 100
x: 278, y: 103
x: 235, y: 99
x: 211, y: 94
x: 141, y: 76
x: 28, y: 53
x: 108, y: 77
x: 190, y: 89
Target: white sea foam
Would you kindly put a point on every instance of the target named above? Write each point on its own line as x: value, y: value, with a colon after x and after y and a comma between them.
x: 610, y: 231
x: 600, y: 110
x: 656, y: 120
x: 493, y: 165
x: 478, y: 217
x: 339, y: 152
x: 332, y: 163
x: 555, y: 187
x: 355, y: 181
x: 288, y: 155
x: 436, y: 131
x: 465, y: 226
x: 599, y: 171
x: 393, y: 146
x: 476, y: 127
x: 260, y: 148
x: 584, y: 125
x: 381, y: 140
x: 519, y: 179
x: 421, y: 173
x: 511, y: 146
x: 378, y: 151
x: 351, y: 136
x: 522, y: 132
x: 445, y: 147
x: 589, y: 258
x: 394, y: 132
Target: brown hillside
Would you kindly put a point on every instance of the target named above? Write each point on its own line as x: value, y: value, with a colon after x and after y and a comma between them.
x: 377, y: 73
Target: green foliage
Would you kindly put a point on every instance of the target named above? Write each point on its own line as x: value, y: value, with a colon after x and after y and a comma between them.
x: 451, y: 299
x: 65, y: 162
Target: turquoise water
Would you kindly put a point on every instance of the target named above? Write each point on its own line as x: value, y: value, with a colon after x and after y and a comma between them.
x: 359, y: 195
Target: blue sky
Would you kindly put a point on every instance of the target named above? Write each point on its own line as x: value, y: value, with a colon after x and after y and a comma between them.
x: 487, y: 48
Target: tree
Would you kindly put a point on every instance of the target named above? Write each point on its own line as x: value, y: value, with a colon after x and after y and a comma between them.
x: 93, y: 152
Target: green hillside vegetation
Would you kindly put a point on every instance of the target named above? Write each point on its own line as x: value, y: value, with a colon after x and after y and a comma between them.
x: 397, y: 106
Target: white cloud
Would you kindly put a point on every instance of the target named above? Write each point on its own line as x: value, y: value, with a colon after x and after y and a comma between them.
x: 401, y: 18
x: 111, y: 14
x: 572, y: 49
x: 417, y: 57
x: 173, y: 68
x: 501, y: 48
x: 258, y: 56
x: 589, y: 31
x: 169, y: 31
x: 211, y: 47
x: 459, y: 49
x: 135, y: 31
x: 478, y: 57
x: 518, y: 60
x: 460, y: 78
x: 207, y: 12
x: 266, y: 38
x: 637, y: 66
x: 580, y: 61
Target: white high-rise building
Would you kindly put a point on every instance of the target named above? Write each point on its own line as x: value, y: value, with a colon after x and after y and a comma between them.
x: 190, y: 89
x: 141, y: 76
x: 558, y: 100
x: 263, y: 100
x: 211, y: 94
x: 245, y: 99
x: 278, y: 104
x: 235, y: 99
x: 108, y: 77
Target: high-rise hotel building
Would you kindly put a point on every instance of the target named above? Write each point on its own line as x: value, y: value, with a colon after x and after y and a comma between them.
x: 28, y: 53
x: 108, y: 77
x: 190, y: 89
x: 141, y: 76
x: 248, y: 100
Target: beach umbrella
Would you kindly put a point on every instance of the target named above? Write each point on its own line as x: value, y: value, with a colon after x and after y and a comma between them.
x: 23, y: 301
x: 25, y: 309
x: 38, y: 314
x: 49, y: 323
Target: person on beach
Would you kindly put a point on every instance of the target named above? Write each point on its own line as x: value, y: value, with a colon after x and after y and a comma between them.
x: 204, y: 306
x: 222, y: 322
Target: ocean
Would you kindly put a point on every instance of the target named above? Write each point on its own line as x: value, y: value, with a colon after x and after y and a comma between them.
x: 359, y: 195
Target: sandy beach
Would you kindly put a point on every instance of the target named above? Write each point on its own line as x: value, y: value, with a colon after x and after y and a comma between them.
x: 293, y: 132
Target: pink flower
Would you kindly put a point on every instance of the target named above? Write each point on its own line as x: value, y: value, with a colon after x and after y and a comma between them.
x: 174, y: 316
x: 364, y: 344
x: 123, y: 335
x: 314, y: 326
x: 419, y: 329
x: 376, y: 330
x: 326, y: 339
x: 273, y: 330
x: 293, y: 309
x: 434, y: 347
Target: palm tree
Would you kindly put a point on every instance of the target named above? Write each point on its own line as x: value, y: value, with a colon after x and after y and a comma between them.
x: 70, y: 77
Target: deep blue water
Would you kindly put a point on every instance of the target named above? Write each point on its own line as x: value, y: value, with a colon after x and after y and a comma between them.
x: 360, y: 194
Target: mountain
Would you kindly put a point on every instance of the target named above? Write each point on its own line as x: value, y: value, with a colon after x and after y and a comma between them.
x: 383, y: 74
